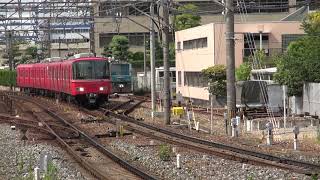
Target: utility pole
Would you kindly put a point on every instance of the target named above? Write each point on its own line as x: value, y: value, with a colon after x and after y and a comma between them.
x: 165, y: 45
x: 91, y: 36
x: 145, y: 63
x: 59, y: 47
x: 231, y: 90
x: 9, y: 49
x: 152, y: 62
x: 10, y: 52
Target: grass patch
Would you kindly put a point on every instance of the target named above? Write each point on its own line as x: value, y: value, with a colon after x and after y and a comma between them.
x: 51, y: 173
x: 165, y: 152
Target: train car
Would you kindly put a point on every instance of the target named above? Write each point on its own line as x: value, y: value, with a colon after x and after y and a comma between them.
x: 121, y: 77
x: 82, y: 78
x: 252, y: 95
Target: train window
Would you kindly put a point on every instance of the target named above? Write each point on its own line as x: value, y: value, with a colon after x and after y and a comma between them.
x: 120, y: 69
x: 90, y: 70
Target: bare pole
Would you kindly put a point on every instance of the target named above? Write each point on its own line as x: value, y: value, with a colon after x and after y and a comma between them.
x: 91, y: 36
x: 230, y: 55
x: 10, y: 52
x: 9, y: 49
x: 211, y: 113
x: 165, y: 45
x: 152, y: 62
x: 144, y: 63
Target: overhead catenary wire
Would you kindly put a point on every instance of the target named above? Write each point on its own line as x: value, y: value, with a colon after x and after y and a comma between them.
x: 256, y: 62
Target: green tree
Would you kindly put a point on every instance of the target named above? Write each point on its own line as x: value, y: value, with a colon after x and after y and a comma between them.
x: 136, y: 59
x: 187, y: 17
x: 243, y: 72
x: 311, y: 24
x: 172, y: 52
x: 216, y: 76
x: 119, y: 47
x: 107, y: 52
x: 159, y: 53
x: 31, y: 51
x: 301, y: 63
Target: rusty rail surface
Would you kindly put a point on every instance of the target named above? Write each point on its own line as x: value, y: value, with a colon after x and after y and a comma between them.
x: 98, y: 146
x: 258, y: 157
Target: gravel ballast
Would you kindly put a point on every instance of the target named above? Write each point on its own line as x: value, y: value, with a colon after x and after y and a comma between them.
x: 198, y: 166
x: 18, y: 160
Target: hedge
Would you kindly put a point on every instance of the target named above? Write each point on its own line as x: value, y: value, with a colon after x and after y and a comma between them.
x: 8, y: 78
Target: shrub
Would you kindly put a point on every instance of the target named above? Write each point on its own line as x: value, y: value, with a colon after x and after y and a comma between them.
x: 164, y: 152
x: 7, y: 78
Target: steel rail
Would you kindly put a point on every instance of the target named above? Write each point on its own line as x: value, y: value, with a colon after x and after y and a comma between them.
x: 94, y: 143
x: 3, y: 116
x: 203, y: 148
x: 52, y: 133
x: 121, y: 105
x: 313, y: 169
x: 131, y: 108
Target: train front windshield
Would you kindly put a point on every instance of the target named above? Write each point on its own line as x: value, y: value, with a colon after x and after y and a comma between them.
x: 120, y: 69
x: 90, y: 70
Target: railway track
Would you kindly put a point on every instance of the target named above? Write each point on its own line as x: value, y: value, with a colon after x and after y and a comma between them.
x: 222, y: 150
x: 92, y: 169
x: 235, y: 153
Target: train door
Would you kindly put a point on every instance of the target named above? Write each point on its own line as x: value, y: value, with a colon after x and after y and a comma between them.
x: 55, y: 77
x: 36, y: 77
x: 69, y: 76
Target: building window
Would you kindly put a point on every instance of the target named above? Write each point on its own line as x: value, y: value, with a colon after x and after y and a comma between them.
x: 179, y: 78
x: 195, y: 43
x: 135, y: 39
x: 288, y: 38
x: 194, y: 79
x: 178, y: 46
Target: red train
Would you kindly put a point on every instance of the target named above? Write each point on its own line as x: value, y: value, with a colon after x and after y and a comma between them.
x: 83, y: 79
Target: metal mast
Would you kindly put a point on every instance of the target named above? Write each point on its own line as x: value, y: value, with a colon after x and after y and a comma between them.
x: 165, y: 45
x: 152, y: 62
x: 230, y: 55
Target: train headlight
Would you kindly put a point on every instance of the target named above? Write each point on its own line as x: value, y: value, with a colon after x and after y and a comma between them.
x: 81, y: 89
x: 101, y: 88
x: 121, y: 86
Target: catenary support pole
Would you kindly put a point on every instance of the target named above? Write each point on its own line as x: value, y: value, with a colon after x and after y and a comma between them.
x: 152, y: 62
x: 145, y: 86
x: 165, y: 45
x: 59, y: 47
x: 211, y: 114
x: 91, y: 35
x: 9, y: 49
x: 284, y: 107
x: 10, y: 52
x: 230, y: 54
x: 260, y: 40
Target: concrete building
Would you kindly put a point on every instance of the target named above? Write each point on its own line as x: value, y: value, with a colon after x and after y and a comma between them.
x: 131, y: 22
x: 204, y: 46
x: 72, y: 36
